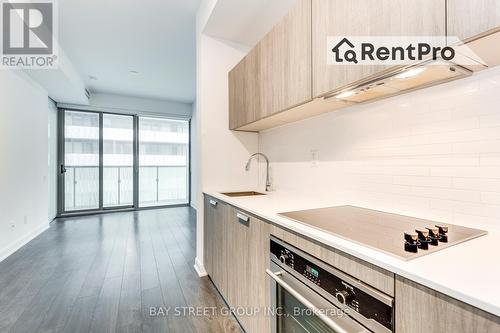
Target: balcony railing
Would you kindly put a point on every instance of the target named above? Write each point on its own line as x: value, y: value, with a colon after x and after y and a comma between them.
x: 158, y: 185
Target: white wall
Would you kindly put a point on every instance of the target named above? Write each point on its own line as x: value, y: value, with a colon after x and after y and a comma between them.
x: 52, y: 155
x: 221, y: 154
x: 24, y: 167
x: 434, y: 153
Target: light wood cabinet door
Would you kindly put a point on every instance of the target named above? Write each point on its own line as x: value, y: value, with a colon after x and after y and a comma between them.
x: 244, y: 90
x: 215, y: 243
x: 285, y: 62
x: 366, y: 18
x: 420, y: 309
x: 248, y: 258
x: 208, y: 230
x: 276, y: 73
x: 468, y: 18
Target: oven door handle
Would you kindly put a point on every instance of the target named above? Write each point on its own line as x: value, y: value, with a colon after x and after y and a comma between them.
x: 324, y: 318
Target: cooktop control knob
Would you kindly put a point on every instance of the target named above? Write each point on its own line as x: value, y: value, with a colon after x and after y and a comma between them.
x: 443, y: 232
x: 423, y: 237
x: 434, y: 235
x: 411, y: 242
x: 345, y: 296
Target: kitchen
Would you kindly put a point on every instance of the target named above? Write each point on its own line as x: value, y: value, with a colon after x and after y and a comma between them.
x: 250, y: 166
x: 358, y: 190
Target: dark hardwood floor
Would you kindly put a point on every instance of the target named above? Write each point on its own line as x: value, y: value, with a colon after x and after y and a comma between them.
x: 103, y: 273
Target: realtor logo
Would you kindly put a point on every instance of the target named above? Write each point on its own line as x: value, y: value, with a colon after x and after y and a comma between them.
x: 28, y: 34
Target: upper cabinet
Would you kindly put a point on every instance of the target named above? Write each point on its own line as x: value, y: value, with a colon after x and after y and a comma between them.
x: 244, y: 90
x: 285, y: 62
x: 467, y: 19
x: 366, y: 18
x: 286, y: 77
x: 276, y: 74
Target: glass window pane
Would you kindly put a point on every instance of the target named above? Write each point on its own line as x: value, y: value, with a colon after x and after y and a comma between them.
x: 118, y: 160
x: 163, y: 161
x: 81, y: 159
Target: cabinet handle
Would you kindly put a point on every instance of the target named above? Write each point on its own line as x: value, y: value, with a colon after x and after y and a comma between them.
x: 213, y: 203
x: 242, y: 217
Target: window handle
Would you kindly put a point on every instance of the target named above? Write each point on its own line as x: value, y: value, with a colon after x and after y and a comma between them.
x: 63, y: 169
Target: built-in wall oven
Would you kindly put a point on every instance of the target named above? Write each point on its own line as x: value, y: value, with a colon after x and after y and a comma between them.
x: 312, y: 296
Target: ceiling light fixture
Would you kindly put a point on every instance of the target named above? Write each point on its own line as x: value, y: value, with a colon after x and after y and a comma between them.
x: 410, y: 73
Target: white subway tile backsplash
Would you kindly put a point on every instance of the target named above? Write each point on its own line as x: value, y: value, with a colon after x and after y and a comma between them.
x: 479, y: 134
x: 447, y: 194
x: 447, y: 126
x: 490, y: 120
x: 490, y: 159
x: 474, y: 108
x: 491, y: 198
x: 472, y: 172
x: 423, y: 181
x: 478, y: 184
x: 433, y: 153
x: 477, y: 147
x: 366, y: 168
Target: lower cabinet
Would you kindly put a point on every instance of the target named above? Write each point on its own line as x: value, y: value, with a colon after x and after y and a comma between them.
x: 248, y: 258
x: 420, y: 309
x: 236, y: 249
x: 215, y: 242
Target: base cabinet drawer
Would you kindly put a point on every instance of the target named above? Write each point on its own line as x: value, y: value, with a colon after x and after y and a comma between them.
x: 420, y: 309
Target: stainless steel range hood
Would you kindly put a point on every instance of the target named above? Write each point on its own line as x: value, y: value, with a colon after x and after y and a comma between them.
x: 401, y: 80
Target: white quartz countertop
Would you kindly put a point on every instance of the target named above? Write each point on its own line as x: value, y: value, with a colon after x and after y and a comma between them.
x: 469, y: 272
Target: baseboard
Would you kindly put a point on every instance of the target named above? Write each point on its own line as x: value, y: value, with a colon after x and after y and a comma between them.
x: 198, y: 266
x: 10, y: 249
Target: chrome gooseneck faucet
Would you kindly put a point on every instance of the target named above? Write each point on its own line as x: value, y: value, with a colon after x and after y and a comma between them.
x: 247, y: 167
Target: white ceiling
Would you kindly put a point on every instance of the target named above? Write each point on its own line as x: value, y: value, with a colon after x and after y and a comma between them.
x: 246, y: 21
x: 107, y: 39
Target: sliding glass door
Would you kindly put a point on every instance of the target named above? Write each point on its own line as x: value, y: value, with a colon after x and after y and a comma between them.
x: 81, y: 161
x: 118, y: 160
x: 100, y: 152
x: 163, y: 162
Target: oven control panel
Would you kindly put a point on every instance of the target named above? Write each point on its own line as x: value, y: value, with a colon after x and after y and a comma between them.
x: 343, y: 291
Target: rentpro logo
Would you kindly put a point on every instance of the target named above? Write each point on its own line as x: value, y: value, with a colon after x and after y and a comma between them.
x: 383, y: 50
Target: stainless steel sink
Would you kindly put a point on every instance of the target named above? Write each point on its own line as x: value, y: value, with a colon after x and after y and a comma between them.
x: 242, y: 194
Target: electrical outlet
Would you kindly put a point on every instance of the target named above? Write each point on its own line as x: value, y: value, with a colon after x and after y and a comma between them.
x: 314, y: 158
x: 25, y: 219
x: 12, y: 226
